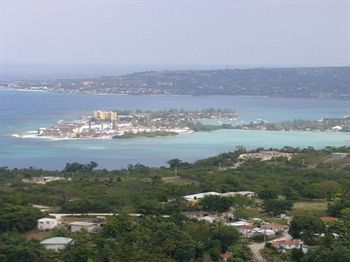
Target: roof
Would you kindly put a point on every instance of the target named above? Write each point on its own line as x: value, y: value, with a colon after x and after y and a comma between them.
x: 46, y: 219
x: 56, y: 240
x: 287, y: 242
x: 328, y: 219
x: 201, y: 195
x: 239, y: 223
x: 208, y: 219
x: 247, y: 227
x: 82, y: 223
x: 241, y: 193
x: 274, y: 226
x: 226, y: 255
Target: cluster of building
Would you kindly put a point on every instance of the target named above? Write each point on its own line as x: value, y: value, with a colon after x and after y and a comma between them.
x: 42, y: 179
x: 196, y: 197
x: 265, y: 155
x: 249, y: 229
x: 108, y: 124
x: 58, y: 243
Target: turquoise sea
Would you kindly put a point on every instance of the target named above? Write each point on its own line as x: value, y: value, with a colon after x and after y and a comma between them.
x: 22, y: 111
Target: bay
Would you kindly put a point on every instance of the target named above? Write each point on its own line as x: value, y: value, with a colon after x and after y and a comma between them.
x: 22, y: 111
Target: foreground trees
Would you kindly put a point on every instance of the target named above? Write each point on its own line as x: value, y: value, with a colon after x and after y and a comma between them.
x: 14, y: 247
x: 306, y: 226
x: 154, y: 239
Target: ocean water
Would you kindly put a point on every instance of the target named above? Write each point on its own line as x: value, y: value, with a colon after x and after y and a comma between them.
x: 22, y: 111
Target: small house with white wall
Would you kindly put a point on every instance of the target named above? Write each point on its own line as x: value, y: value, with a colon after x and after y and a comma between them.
x: 56, y: 243
x: 285, y: 245
x: 87, y: 226
x: 47, y: 223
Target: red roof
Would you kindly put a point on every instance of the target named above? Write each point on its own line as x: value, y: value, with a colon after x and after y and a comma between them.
x: 328, y: 219
x: 247, y: 227
x: 225, y: 256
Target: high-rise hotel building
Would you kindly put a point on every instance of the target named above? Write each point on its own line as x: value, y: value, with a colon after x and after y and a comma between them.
x: 106, y: 115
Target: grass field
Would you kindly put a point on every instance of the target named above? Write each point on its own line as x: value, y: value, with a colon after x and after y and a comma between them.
x: 317, y: 207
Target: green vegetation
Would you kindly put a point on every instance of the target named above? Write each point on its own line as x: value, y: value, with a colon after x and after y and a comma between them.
x: 301, y: 184
x: 299, y: 124
x: 317, y: 82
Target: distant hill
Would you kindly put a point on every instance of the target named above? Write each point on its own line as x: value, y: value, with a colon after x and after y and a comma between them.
x: 318, y: 82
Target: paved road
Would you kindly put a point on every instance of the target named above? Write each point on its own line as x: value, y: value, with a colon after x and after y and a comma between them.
x: 257, y: 247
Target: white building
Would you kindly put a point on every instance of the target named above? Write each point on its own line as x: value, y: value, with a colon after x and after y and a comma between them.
x: 47, y: 223
x: 285, y: 245
x: 78, y: 226
x: 196, y: 197
x: 239, y: 223
x: 339, y: 156
x: 239, y: 193
x: 337, y: 128
x: 56, y: 243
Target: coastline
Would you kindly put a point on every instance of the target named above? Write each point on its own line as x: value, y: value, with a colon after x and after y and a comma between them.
x: 54, y: 139
x: 172, y: 95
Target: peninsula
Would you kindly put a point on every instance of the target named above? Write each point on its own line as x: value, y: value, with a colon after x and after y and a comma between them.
x: 126, y: 124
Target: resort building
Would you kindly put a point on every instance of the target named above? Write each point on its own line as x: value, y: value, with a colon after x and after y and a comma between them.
x: 106, y: 115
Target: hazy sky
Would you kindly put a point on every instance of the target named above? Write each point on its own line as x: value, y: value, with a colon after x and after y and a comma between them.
x: 258, y: 33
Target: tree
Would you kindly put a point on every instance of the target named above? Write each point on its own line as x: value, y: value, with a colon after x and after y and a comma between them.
x: 227, y: 235
x: 305, y: 226
x: 92, y: 165
x: 21, y: 218
x: 14, y: 247
x: 297, y: 254
x: 215, y: 203
x: 174, y: 162
x: 267, y: 194
x: 277, y: 206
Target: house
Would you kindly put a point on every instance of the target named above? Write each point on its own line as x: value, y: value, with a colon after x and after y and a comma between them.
x: 224, y: 257
x: 196, y: 197
x: 337, y: 128
x: 47, y: 223
x: 328, y: 219
x: 238, y: 223
x: 285, y: 245
x: 247, y: 230
x: 78, y: 226
x: 277, y: 228
x: 267, y: 232
x: 209, y: 219
x: 56, y: 243
x: 339, y: 156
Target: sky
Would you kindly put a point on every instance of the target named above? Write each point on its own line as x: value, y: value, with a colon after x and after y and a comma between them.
x: 222, y: 33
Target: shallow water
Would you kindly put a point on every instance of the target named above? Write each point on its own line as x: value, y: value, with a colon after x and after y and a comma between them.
x: 22, y: 111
